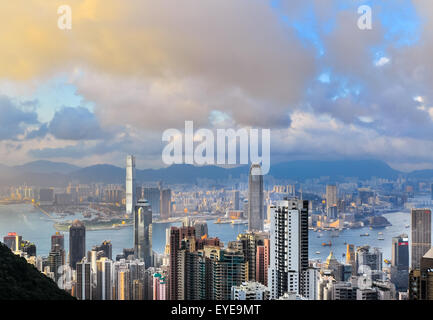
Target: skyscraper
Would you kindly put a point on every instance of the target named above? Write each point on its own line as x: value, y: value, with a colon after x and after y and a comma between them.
x: 289, y: 248
x: 84, y: 280
x: 165, y: 204
x: 104, y: 268
x: 249, y: 242
x: 236, y: 203
x: 153, y: 195
x: 255, y: 199
x: 421, y: 279
x: 56, y: 259
x: 400, y: 262
x: 77, y: 243
x: 350, y: 257
x: 105, y: 249
x: 130, y: 184
x: 262, y: 262
x: 59, y: 239
x: 12, y: 241
x: 421, y: 235
x: 331, y: 200
x: 143, y: 232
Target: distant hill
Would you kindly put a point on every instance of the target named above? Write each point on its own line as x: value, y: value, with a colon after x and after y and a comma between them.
x: 20, y: 280
x: 307, y: 169
x: 43, y: 166
x: 427, y: 174
x: 45, y: 173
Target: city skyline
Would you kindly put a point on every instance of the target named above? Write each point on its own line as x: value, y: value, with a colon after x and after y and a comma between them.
x: 216, y: 150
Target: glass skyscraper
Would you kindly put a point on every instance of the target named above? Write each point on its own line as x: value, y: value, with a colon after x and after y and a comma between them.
x: 255, y: 199
x: 143, y: 232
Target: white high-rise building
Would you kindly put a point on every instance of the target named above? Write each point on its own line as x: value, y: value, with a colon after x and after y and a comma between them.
x: 289, y: 248
x: 130, y: 184
x: 255, y: 199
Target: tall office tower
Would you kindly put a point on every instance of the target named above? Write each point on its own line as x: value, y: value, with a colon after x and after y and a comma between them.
x: 104, y: 287
x: 137, y: 272
x: 236, y: 203
x: 174, y: 263
x: 250, y: 291
x: 123, y: 284
x: 201, y: 229
x: 105, y: 249
x: 59, y: 239
x: 289, y: 248
x: 262, y: 262
x: 152, y: 195
x: 350, y: 257
x: 56, y: 259
x: 255, y: 199
x: 165, y: 203
x: 400, y: 262
x: 421, y: 235
x: 421, y: 279
x: 84, y: 280
x: 130, y: 184
x: 12, y: 241
x: 177, y: 259
x: 143, y: 232
x: 77, y: 243
x: 331, y: 199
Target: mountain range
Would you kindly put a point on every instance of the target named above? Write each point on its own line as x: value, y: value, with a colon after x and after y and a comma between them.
x: 47, y: 173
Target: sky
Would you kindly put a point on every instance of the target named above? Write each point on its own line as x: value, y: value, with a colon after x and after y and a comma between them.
x: 129, y: 70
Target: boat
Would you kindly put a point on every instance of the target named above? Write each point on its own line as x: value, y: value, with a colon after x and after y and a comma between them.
x: 327, y: 244
x: 380, y: 238
x: 317, y: 252
x: 407, y: 226
x: 239, y: 222
x: 380, y: 233
x: 364, y: 234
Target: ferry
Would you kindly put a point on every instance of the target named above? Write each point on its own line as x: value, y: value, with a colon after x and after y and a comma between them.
x: 380, y: 238
x: 364, y: 234
x: 329, y: 244
x: 239, y: 222
x: 317, y: 252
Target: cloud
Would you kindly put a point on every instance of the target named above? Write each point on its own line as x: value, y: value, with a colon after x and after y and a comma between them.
x: 13, y: 119
x: 76, y: 124
x: 149, y: 66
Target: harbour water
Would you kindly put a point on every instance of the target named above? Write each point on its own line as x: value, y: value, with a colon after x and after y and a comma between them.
x: 34, y: 226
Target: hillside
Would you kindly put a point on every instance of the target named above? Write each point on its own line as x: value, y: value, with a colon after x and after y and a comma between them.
x: 20, y: 280
x: 41, y: 173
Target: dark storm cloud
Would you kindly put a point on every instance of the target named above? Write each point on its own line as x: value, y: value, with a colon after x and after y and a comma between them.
x: 72, y: 124
x: 13, y: 120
